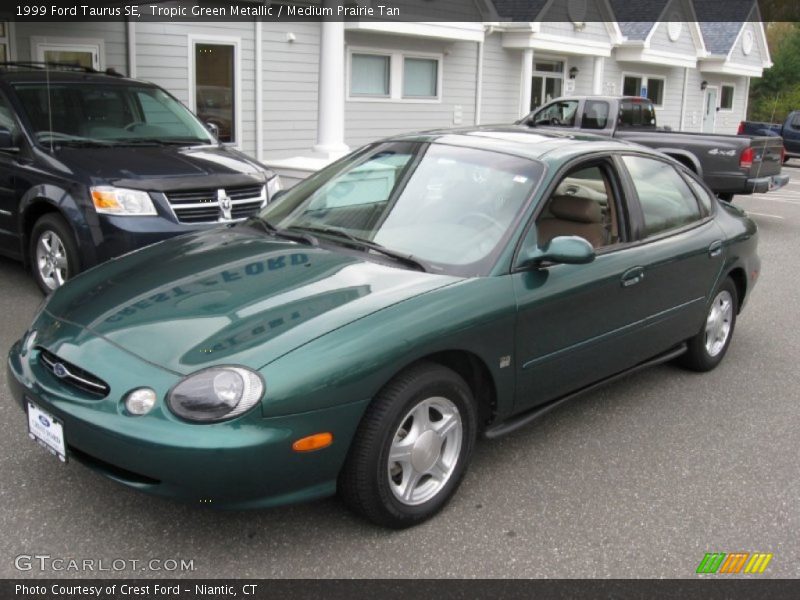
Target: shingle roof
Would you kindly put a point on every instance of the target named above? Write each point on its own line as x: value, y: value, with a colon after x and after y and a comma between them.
x: 637, y: 17
x: 721, y: 22
x: 519, y: 10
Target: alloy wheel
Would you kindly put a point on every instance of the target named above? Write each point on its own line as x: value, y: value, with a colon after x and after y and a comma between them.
x: 718, y: 323
x: 425, y: 450
x: 51, y: 259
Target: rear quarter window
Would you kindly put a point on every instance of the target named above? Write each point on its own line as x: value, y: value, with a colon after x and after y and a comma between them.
x: 667, y: 202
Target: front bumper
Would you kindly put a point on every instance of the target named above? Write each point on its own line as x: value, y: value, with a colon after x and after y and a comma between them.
x: 244, y: 463
x: 115, y: 235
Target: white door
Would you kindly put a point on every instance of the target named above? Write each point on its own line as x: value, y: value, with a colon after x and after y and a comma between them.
x: 710, y: 110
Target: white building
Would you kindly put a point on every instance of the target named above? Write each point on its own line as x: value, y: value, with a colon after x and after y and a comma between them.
x: 297, y: 94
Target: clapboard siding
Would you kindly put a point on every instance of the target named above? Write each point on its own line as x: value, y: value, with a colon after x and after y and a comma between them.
x: 557, y: 21
x: 367, y: 121
x: 291, y: 84
x: 501, y: 78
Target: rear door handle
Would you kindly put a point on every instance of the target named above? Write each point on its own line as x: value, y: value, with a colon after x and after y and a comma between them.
x: 632, y: 276
x: 715, y: 249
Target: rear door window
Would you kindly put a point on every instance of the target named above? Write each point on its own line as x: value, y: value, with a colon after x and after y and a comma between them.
x: 595, y: 114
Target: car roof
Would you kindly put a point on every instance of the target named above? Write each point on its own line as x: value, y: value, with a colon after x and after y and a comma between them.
x: 523, y: 141
x: 34, y: 75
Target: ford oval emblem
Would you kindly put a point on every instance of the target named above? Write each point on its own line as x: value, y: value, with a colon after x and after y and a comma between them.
x: 44, y: 420
x: 60, y: 370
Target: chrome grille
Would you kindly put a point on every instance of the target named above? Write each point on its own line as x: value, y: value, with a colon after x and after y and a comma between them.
x: 73, y: 375
x: 203, y: 206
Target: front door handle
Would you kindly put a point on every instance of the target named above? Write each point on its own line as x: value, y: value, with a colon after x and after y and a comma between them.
x: 715, y: 249
x: 632, y: 276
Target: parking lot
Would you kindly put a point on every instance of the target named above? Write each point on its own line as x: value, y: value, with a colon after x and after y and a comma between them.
x: 639, y: 479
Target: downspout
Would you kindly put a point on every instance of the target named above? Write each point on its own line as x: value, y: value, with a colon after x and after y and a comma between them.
x: 683, y: 96
x: 259, y: 92
x: 746, y: 97
x: 130, y: 42
x: 479, y: 79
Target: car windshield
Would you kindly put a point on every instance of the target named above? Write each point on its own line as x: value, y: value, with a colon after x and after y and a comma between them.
x: 108, y: 114
x: 449, y: 207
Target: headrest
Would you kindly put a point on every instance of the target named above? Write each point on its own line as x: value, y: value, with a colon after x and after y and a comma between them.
x: 576, y: 208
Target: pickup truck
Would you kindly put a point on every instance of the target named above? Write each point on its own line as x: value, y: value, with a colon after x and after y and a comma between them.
x: 789, y: 130
x: 729, y: 164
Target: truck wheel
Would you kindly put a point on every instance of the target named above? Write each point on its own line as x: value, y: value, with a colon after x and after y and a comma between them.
x: 53, y: 252
x: 411, y: 449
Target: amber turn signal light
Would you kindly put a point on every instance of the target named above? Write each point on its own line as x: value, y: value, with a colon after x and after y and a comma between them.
x: 318, y: 441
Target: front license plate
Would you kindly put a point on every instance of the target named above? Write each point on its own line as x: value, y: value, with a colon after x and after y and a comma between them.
x: 47, y: 431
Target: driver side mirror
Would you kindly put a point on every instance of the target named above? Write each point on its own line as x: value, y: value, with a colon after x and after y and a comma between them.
x: 564, y: 249
x: 213, y: 128
x: 7, y: 140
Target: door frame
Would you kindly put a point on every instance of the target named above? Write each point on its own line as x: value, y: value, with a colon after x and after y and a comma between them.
x: 555, y: 75
x: 706, y: 94
x: 222, y: 40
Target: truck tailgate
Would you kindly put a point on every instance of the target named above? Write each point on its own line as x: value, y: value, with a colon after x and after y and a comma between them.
x: 767, y: 156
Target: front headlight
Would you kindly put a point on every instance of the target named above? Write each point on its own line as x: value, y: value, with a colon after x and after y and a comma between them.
x: 273, y: 187
x: 216, y: 394
x: 121, y: 201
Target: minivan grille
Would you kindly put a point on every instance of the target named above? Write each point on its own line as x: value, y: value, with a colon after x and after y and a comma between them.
x: 73, y: 375
x: 204, y: 206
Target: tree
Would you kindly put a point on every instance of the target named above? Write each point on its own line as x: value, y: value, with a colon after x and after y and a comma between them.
x: 778, y: 92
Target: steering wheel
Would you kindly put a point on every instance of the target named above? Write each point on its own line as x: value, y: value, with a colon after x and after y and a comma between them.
x: 479, y: 216
x: 555, y: 121
x: 133, y: 125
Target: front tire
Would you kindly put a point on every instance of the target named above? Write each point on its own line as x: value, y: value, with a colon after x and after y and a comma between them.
x: 53, y: 252
x: 411, y: 449
x: 707, y: 349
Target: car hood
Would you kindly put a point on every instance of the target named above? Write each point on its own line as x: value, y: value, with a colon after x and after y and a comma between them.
x: 229, y: 296
x: 163, y: 168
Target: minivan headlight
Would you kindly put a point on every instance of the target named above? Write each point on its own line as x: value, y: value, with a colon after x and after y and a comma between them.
x: 216, y: 394
x: 121, y: 201
x: 273, y: 186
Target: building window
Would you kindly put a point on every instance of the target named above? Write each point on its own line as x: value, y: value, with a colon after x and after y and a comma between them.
x: 80, y: 52
x: 651, y: 88
x: 726, y: 97
x: 370, y: 75
x: 215, y: 87
x: 4, y: 54
x: 420, y: 77
x: 393, y: 76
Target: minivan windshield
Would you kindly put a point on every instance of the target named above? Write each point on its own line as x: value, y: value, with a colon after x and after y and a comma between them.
x: 448, y: 207
x: 108, y: 114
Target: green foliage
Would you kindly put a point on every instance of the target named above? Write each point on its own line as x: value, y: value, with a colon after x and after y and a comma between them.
x: 777, y: 93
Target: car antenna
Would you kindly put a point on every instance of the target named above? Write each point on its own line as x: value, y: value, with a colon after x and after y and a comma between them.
x: 49, y: 105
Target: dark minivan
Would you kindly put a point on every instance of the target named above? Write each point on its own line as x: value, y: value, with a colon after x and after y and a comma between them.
x: 94, y: 165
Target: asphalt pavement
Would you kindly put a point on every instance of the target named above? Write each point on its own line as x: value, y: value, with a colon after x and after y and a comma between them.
x: 639, y: 479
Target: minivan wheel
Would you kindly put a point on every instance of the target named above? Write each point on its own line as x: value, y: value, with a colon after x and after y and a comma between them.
x: 411, y: 449
x: 53, y: 252
x: 707, y: 349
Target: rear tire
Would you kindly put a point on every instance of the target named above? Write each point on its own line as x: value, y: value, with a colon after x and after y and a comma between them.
x: 411, y: 449
x: 53, y: 252
x: 707, y: 349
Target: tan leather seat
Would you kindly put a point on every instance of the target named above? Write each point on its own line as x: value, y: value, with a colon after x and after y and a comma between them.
x: 572, y: 215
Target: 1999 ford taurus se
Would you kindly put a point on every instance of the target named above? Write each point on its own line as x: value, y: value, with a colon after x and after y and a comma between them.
x: 362, y: 331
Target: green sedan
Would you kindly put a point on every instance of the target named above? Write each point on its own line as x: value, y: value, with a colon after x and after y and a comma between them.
x: 360, y: 333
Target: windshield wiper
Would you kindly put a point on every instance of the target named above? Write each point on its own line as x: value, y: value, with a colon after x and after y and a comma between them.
x: 304, y: 238
x: 364, y: 244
